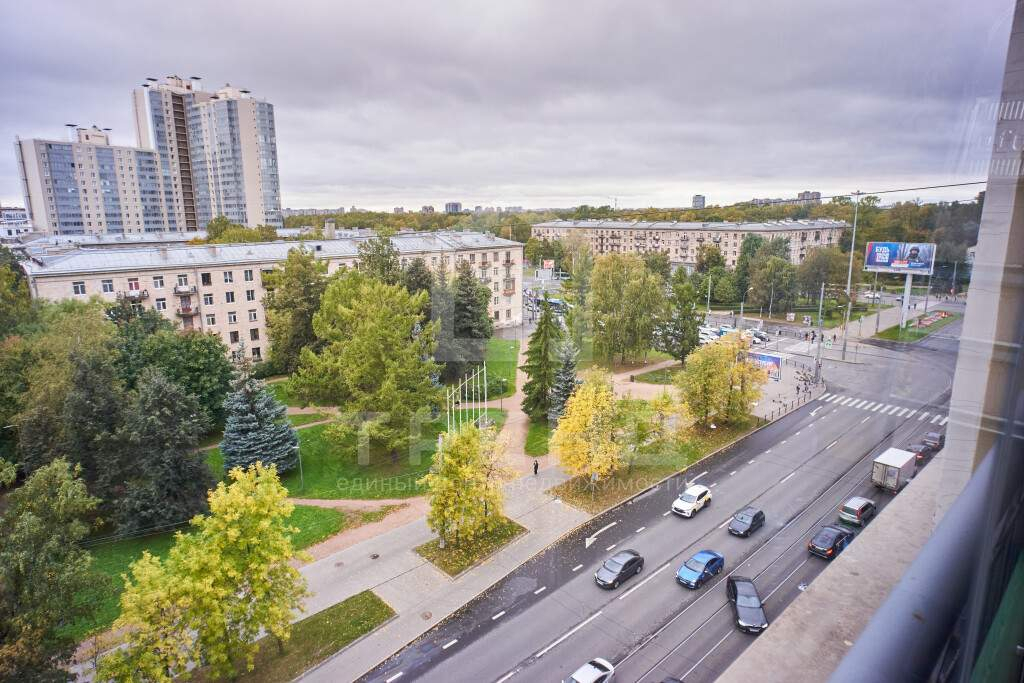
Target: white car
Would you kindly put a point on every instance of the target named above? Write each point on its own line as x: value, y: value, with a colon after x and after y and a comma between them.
x: 691, y: 501
x: 597, y: 670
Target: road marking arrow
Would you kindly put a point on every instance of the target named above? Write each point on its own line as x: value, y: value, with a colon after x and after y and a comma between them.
x: 589, y: 541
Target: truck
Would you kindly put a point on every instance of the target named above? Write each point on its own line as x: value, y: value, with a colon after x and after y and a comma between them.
x: 893, y: 469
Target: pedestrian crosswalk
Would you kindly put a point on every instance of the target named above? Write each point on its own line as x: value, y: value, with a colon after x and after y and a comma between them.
x: 882, y: 408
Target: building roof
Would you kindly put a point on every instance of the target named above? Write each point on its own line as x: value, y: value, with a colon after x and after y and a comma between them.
x: 86, y: 260
x: 758, y: 226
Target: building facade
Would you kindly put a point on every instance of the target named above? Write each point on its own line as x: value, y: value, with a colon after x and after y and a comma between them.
x: 453, y: 207
x: 13, y: 222
x: 698, y: 201
x: 680, y: 240
x: 218, y: 288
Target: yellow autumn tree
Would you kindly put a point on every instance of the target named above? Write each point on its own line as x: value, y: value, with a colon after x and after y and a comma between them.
x: 719, y: 382
x: 585, y: 440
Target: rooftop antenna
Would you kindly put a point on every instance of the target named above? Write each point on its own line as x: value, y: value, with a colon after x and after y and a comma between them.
x: 150, y: 78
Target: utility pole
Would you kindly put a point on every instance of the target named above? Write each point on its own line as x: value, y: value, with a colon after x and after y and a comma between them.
x: 927, y: 292
x: 878, y: 303
x: 709, y: 292
x: 849, y: 271
x: 771, y: 300
x: 953, y: 287
x: 817, y: 362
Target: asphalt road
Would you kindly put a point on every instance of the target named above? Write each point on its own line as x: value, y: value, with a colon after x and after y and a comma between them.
x: 548, y: 616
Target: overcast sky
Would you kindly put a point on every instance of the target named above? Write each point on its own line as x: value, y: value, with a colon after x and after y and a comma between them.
x: 389, y: 103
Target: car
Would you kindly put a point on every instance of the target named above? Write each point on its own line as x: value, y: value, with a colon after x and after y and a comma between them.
x: 829, y: 541
x: 691, y: 501
x: 858, y: 511
x: 934, y: 439
x: 746, y: 521
x: 597, y: 670
x: 746, y: 604
x: 921, y: 451
x: 619, y: 567
x: 761, y: 335
x: 698, y: 569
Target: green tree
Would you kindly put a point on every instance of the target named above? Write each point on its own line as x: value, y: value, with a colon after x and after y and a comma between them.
x: 15, y: 300
x: 257, y: 428
x: 657, y: 262
x: 723, y: 289
x: 417, y: 278
x: 745, y: 382
x: 134, y: 327
x: 167, y: 479
x: 294, y: 290
x: 709, y: 257
x: 218, y: 226
x: 703, y: 381
x: 464, y: 486
x: 774, y: 285
x: 541, y: 364
x: 625, y: 303
x: 748, y: 247
x: 44, y: 573
x: 379, y: 259
x: 680, y: 331
x: 565, y: 380
x: 472, y: 321
x: 576, y: 292
x: 197, y: 362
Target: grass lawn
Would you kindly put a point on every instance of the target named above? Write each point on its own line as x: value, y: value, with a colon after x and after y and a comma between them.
x: 626, y: 483
x: 587, y: 360
x: 455, y: 559
x: 663, y: 376
x: 537, y: 438
x: 282, y: 392
x: 315, y: 638
x: 502, y: 355
x: 332, y: 471
x: 913, y: 334
x: 114, y: 558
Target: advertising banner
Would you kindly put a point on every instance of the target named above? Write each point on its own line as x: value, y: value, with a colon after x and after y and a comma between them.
x: 768, y: 361
x: 548, y: 263
x: 916, y: 258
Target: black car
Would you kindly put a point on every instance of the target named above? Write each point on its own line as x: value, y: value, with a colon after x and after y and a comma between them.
x: 935, y: 439
x: 746, y: 604
x: 921, y: 451
x: 746, y: 521
x: 618, y: 568
x: 829, y: 541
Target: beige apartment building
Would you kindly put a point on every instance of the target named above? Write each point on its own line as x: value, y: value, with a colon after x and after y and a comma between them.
x: 681, y: 239
x: 218, y: 288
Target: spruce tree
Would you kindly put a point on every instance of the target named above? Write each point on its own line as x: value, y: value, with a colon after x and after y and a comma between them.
x: 540, y: 364
x: 565, y: 381
x: 257, y: 428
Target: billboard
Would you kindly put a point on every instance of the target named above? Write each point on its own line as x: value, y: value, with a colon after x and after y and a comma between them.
x: 900, y: 257
x: 767, y: 361
x: 548, y: 264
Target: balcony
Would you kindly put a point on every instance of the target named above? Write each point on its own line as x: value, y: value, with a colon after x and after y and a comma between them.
x: 187, y: 311
x: 508, y: 263
x: 136, y: 294
x: 184, y: 289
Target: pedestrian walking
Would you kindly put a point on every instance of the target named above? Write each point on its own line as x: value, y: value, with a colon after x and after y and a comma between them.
x: 536, y: 466
x: 833, y: 337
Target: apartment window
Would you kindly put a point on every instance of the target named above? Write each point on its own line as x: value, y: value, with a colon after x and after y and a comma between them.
x: 229, y: 297
x: 256, y: 353
x: 229, y: 277
x: 433, y: 260
x: 133, y: 284
x: 472, y: 258
x: 183, y: 280
x: 495, y: 270
x: 158, y: 282
x: 508, y: 314
x: 205, y: 279
x: 107, y: 286
x: 211, y: 319
x: 161, y: 304
x: 232, y: 317
x: 233, y: 336
x: 254, y: 334
x: 78, y: 288
x: 247, y: 275
x: 207, y: 299
x: 497, y: 314
x: 250, y: 295
x: 252, y: 315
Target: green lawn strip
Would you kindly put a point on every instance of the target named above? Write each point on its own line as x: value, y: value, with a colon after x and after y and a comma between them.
x: 912, y: 334
x: 456, y: 558
x: 114, y: 558
x: 314, y: 639
x: 662, y: 376
x: 617, y: 365
x: 282, y: 391
x: 300, y: 419
x: 502, y: 356
x: 331, y: 470
x: 537, y: 438
x: 628, y: 482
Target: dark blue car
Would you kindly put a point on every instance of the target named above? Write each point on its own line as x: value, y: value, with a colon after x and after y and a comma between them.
x: 699, y: 568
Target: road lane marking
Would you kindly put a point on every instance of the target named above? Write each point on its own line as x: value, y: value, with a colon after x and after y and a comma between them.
x: 815, y: 411
x: 698, y: 476
x: 911, y: 413
x: 865, y: 419
x: 751, y: 462
x: 788, y: 577
x: 395, y: 677
x: 449, y: 643
x: 713, y: 485
x: 611, y: 546
x: 770, y: 450
x: 894, y: 410
x: 860, y: 404
x: 540, y: 590
x: 568, y: 633
x: 869, y: 406
x: 666, y: 513
x: 640, y: 529
x: 708, y: 654
x: 507, y: 676
x: 589, y: 540
x: 787, y: 477
x: 944, y: 420
x: 499, y: 615
x: 724, y: 524
x: 922, y: 416
x: 733, y: 472
x: 903, y: 411
x: 876, y: 408
x: 797, y: 434
x: 577, y: 567
x: 831, y: 444
x: 653, y: 574
x: 936, y: 419
x: 825, y: 396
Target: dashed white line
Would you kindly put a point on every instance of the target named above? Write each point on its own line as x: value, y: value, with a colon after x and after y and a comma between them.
x: 713, y: 485
x: 894, y: 409
x: 859, y: 403
x: 540, y: 590
x: 787, y: 477
x: 724, y: 524
x: 922, y: 416
x: 944, y: 420
x: 797, y: 434
x: 865, y: 419
x: 568, y: 633
x: 788, y: 576
x: 577, y: 567
x: 666, y: 513
x: 701, y: 660
x: 733, y: 472
x: 395, y: 677
x: 877, y: 408
x: 507, y: 676
x: 903, y: 411
x: 640, y: 529
x: 449, y: 643
x: 653, y: 574
x: 825, y: 397
x: 770, y: 450
x: 698, y: 476
x: 751, y: 462
x: 781, y: 442
x: 846, y: 401
x: 611, y: 546
x: 831, y: 444
x: 499, y: 615
x: 911, y: 413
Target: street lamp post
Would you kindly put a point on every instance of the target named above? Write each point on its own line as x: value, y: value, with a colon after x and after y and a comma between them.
x: 739, y: 324
x: 849, y: 271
